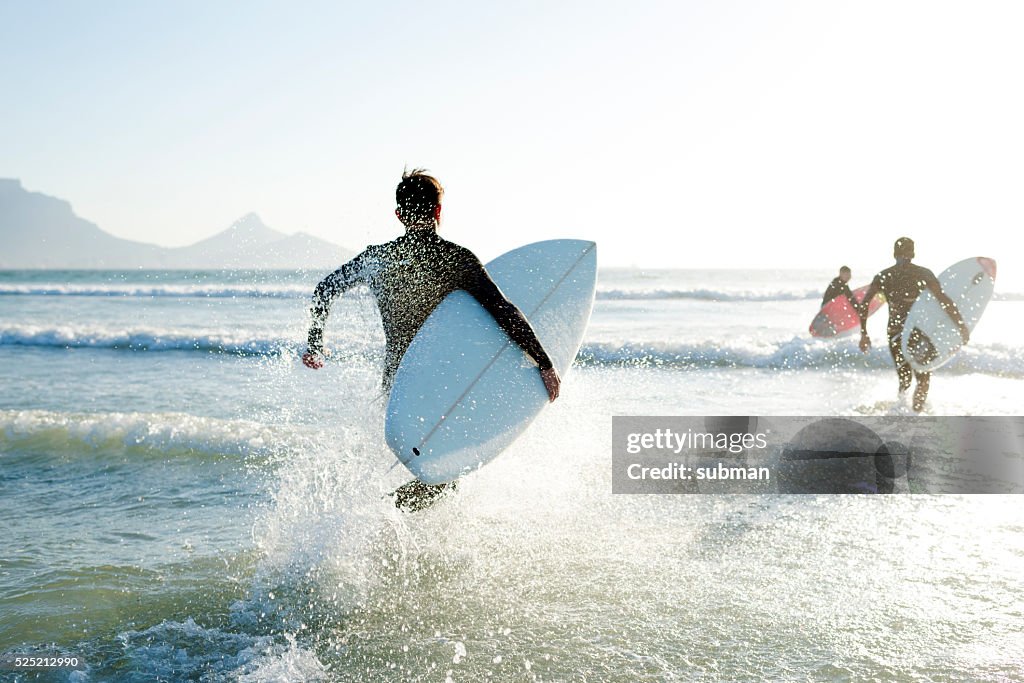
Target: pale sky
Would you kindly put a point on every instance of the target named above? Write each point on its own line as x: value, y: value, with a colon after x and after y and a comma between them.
x: 678, y: 134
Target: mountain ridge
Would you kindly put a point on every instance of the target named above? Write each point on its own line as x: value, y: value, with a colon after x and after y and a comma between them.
x: 41, y: 231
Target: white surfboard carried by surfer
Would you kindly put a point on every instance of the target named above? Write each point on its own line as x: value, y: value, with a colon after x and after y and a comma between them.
x: 930, y: 337
x: 464, y: 391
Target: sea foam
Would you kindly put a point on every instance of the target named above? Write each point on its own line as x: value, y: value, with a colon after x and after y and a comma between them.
x: 156, y: 432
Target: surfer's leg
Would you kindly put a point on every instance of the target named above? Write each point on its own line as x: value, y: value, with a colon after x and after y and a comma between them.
x: 416, y: 495
x: 903, y: 370
x: 921, y: 391
x: 905, y: 374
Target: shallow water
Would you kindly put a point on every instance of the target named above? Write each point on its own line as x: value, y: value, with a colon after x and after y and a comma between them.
x: 183, y: 501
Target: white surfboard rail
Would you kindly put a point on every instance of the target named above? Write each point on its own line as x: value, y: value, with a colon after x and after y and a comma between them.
x: 464, y: 391
x: 930, y: 337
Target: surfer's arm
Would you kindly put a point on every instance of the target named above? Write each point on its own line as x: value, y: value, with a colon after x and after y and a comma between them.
x: 849, y: 296
x: 862, y: 312
x: 323, y: 296
x: 508, y: 316
x: 948, y: 306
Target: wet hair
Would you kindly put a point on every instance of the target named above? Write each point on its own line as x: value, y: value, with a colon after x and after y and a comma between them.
x: 844, y: 269
x: 903, y: 248
x: 418, y: 195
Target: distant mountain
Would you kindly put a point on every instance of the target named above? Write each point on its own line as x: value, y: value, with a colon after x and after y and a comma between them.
x: 39, y: 231
x: 250, y: 244
x: 247, y: 233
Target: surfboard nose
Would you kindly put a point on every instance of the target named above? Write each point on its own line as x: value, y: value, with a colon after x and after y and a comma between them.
x: 988, y: 265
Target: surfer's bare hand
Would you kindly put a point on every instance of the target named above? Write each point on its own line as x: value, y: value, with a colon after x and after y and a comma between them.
x: 865, y: 343
x: 965, y: 333
x: 313, y: 360
x: 551, y: 382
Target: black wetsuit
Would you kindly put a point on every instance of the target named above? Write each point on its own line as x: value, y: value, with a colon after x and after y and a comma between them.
x: 409, y: 276
x: 902, y: 284
x: 835, y: 288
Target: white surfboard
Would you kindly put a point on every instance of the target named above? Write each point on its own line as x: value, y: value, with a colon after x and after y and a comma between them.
x: 930, y: 337
x: 464, y: 391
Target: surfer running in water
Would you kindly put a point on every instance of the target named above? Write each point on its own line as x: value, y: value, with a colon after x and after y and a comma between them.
x: 839, y: 286
x: 409, y: 276
x: 901, y: 284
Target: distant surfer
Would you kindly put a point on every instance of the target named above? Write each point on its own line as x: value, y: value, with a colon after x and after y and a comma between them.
x: 839, y: 286
x: 409, y: 276
x: 901, y: 284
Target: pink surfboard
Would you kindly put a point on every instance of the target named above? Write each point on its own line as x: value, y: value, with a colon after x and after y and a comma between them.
x: 839, y: 316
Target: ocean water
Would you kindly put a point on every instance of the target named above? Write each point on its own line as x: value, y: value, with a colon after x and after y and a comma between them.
x: 181, y: 500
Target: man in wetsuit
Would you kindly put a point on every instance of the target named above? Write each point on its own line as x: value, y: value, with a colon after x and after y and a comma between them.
x: 409, y: 276
x: 901, y: 284
x: 838, y: 286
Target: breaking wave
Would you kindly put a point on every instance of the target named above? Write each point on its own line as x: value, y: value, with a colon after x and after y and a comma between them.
x: 793, y: 354
x: 161, y: 433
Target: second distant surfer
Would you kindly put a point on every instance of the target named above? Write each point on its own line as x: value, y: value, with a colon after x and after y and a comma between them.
x: 839, y: 286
